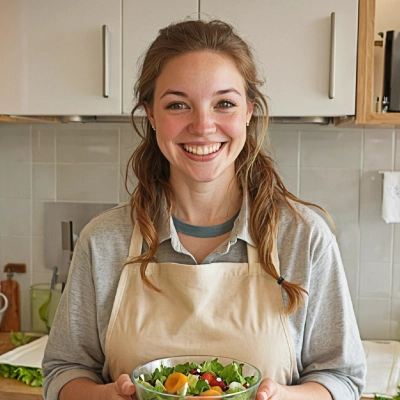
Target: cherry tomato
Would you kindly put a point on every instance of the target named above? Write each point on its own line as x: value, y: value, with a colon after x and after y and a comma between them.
x: 220, y: 383
x: 208, y: 376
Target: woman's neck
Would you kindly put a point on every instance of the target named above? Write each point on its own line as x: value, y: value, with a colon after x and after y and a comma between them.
x: 206, y: 203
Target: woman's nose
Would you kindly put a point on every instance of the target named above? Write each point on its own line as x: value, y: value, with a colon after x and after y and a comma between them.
x: 202, y: 123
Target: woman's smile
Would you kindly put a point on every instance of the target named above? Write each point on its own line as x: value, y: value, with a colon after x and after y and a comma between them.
x: 202, y: 149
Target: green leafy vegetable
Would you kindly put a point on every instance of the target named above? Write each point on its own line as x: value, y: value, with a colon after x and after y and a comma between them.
x: 232, y: 373
x: 161, y: 374
x: 30, y: 376
x: 201, y: 386
x: 196, y: 385
x: 397, y: 397
x: 251, y: 380
x: 211, y: 366
x: 185, y: 368
x: 19, y: 338
x: 159, y: 387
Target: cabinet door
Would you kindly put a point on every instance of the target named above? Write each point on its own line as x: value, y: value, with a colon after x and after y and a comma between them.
x: 141, y: 22
x: 292, y: 43
x: 52, y: 57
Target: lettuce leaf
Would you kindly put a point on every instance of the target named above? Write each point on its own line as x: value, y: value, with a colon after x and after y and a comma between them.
x: 185, y: 368
x: 201, y: 386
x: 27, y: 375
x: 19, y: 338
x: 211, y: 366
x: 232, y: 373
x: 397, y: 397
x: 161, y: 374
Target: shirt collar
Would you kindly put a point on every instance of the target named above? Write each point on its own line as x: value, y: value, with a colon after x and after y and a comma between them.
x: 166, y: 229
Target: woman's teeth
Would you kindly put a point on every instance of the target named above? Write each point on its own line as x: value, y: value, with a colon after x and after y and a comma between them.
x: 202, y: 150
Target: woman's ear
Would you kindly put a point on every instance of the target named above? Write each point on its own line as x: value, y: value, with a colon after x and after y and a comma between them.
x: 149, y: 113
x: 250, y: 108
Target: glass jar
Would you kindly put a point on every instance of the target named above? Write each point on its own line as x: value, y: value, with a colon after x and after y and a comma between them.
x: 40, y: 297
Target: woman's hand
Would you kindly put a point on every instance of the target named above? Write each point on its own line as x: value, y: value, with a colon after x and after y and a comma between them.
x: 122, y: 389
x: 86, y: 389
x: 270, y: 390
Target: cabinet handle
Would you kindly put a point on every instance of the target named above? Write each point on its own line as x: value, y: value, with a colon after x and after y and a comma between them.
x: 332, y: 65
x: 106, y: 61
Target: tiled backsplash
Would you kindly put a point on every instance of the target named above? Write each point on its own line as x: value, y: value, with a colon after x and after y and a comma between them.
x: 337, y: 168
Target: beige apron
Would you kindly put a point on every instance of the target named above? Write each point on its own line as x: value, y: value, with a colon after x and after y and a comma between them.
x: 230, y: 310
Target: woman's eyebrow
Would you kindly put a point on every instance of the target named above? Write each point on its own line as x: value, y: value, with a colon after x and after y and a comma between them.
x: 225, y: 91
x: 183, y: 94
x: 175, y: 92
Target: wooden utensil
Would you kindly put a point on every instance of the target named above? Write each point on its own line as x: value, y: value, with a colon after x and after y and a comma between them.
x: 12, y: 317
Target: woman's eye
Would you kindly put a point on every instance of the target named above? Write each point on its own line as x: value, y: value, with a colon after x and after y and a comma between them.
x: 177, y: 106
x: 225, y: 104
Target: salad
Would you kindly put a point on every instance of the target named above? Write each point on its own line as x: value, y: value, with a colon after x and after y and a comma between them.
x: 209, y: 378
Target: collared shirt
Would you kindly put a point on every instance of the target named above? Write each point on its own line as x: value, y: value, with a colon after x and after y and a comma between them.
x: 233, y: 249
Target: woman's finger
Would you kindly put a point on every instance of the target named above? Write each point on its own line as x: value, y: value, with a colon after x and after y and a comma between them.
x: 125, y: 385
x: 268, y: 390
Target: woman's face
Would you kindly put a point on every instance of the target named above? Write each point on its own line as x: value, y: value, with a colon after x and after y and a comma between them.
x: 200, y: 112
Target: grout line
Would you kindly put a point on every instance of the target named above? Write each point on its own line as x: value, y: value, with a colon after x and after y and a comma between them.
x: 97, y: 163
x: 55, y: 164
x: 392, y: 241
x: 393, y: 149
x: 359, y: 219
x: 81, y: 201
x: 121, y: 49
x: 30, y: 269
x: 298, y: 162
x: 119, y: 167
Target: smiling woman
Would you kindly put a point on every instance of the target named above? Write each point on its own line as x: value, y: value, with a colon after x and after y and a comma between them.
x: 213, y: 255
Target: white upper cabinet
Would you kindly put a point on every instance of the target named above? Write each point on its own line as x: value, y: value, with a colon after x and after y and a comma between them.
x: 141, y: 23
x: 81, y: 57
x: 307, y: 56
x: 54, y: 54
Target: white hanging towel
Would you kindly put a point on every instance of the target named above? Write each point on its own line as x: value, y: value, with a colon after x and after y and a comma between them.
x: 383, y: 368
x: 391, y: 197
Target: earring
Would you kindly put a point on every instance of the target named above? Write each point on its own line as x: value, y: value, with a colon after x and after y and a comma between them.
x: 247, y: 123
x: 154, y: 129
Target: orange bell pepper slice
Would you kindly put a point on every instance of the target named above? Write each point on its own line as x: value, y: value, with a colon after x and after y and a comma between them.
x: 175, y: 381
x: 211, y: 392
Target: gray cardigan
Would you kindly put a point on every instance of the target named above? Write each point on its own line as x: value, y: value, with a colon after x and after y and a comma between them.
x: 325, y: 334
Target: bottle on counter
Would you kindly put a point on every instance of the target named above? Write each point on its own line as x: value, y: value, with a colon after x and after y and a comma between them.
x: 11, y: 321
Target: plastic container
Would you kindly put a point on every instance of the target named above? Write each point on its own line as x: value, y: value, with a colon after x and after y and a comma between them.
x: 39, y: 296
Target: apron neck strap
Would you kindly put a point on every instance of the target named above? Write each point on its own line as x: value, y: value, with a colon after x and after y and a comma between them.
x: 135, y: 249
x: 252, y: 254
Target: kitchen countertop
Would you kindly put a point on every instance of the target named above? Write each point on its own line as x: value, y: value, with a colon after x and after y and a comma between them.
x: 12, y: 389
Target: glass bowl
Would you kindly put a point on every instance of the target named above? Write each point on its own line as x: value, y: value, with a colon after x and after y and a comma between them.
x: 146, y: 370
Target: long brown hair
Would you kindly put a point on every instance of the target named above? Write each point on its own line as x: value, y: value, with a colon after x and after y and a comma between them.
x: 255, y: 170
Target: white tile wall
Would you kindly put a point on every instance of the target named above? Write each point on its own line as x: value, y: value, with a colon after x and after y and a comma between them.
x: 333, y: 167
